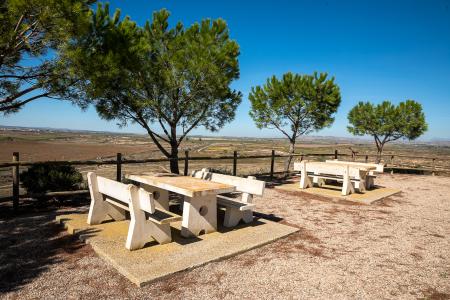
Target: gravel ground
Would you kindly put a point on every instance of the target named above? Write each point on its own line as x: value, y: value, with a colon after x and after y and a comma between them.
x: 398, y: 247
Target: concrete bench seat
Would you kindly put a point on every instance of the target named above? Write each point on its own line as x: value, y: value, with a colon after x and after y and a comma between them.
x: 113, y: 199
x: 236, y: 209
x: 232, y: 202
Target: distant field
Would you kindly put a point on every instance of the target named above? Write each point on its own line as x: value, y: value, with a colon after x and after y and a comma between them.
x: 45, y: 146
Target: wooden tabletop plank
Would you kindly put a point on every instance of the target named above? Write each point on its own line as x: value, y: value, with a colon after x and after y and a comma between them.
x: 184, y: 185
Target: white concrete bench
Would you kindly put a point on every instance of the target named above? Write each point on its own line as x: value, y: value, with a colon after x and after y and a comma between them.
x: 113, y: 199
x: 320, y: 171
x: 236, y: 209
x: 370, y: 177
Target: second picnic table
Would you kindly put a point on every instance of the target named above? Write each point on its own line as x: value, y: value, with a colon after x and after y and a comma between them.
x: 334, y: 170
x: 200, y: 198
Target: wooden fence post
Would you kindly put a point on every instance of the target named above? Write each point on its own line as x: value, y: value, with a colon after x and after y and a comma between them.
x: 186, y: 162
x: 272, y: 164
x: 234, y: 162
x: 433, y: 166
x: 392, y: 164
x: 367, y: 159
x: 336, y: 154
x: 16, y: 182
x: 119, y: 167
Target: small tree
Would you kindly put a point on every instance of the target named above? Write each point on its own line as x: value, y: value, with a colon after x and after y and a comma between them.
x: 387, y: 122
x: 175, y: 78
x: 31, y: 34
x: 295, y: 105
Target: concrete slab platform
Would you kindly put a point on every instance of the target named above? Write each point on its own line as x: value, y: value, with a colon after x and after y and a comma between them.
x: 367, y: 197
x: 158, y: 261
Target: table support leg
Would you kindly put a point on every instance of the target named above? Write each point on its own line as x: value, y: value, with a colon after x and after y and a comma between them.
x: 199, y: 215
x: 161, y: 196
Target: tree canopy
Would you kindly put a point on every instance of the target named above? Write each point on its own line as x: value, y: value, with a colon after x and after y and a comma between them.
x: 32, y: 32
x: 386, y: 122
x: 295, y: 104
x: 168, y: 80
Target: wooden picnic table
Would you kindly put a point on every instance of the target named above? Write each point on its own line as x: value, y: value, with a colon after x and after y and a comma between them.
x: 200, y: 198
x: 320, y: 171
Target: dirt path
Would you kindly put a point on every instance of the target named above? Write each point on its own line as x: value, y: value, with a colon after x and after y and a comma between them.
x: 396, y: 248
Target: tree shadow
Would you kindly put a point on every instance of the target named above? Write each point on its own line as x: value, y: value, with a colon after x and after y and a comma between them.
x: 30, y: 246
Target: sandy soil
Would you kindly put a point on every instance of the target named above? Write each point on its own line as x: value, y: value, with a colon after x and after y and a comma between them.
x: 42, y: 151
x: 398, y: 247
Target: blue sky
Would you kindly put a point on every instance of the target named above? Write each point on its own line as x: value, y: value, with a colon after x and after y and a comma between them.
x: 377, y: 50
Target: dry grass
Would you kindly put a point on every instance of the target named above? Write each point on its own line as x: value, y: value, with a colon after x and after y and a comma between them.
x: 395, y: 248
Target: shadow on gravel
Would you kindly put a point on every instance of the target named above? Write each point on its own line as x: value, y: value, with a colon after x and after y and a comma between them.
x: 29, y: 246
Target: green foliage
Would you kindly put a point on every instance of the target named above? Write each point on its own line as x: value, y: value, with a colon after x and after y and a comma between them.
x: 176, y: 78
x: 302, y: 103
x: 387, y: 122
x: 47, y: 177
x: 295, y: 105
x: 32, y: 33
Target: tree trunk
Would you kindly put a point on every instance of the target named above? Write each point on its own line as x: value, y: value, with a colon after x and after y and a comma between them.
x: 289, y: 159
x: 174, y: 160
x: 379, y: 152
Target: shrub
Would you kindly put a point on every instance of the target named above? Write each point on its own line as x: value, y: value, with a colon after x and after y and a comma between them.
x: 47, y: 177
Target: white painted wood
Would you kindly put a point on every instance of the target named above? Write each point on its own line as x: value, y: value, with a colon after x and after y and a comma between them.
x: 199, y: 215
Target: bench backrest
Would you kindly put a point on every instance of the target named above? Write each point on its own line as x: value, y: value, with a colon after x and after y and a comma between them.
x: 324, y: 168
x: 114, y: 190
x: 247, y: 185
x: 379, y: 167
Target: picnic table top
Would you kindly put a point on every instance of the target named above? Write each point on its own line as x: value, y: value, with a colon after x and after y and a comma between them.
x: 358, y: 165
x: 328, y: 164
x: 184, y: 185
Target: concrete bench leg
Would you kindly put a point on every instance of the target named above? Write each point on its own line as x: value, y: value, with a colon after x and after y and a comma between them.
x: 247, y: 216
x: 361, y: 185
x: 199, y: 214
x: 232, y: 216
x: 370, y: 182
x: 347, y: 186
x: 317, y: 181
x: 99, y: 209
x: 141, y: 230
x: 160, y: 232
